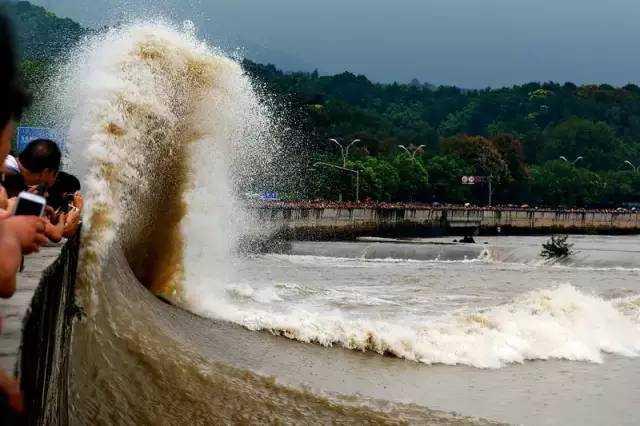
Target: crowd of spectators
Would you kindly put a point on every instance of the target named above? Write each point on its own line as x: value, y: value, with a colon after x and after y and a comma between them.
x: 370, y: 204
x: 34, y: 170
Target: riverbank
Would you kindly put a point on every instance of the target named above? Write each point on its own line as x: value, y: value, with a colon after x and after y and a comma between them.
x: 348, y: 221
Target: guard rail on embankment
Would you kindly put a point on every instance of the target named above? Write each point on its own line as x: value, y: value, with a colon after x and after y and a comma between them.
x: 322, y: 222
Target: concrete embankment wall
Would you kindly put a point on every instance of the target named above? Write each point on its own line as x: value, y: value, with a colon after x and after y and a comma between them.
x: 318, y: 222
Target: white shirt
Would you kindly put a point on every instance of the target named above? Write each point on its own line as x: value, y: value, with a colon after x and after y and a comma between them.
x: 11, y: 165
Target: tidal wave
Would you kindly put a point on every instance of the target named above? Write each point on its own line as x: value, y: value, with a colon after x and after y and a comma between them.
x: 156, y: 120
x: 163, y: 128
x: 558, y: 323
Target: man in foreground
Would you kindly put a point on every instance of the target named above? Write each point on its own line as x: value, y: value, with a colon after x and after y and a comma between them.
x: 19, y: 235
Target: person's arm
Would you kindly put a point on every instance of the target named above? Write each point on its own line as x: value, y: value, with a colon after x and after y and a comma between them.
x: 18, y: 235
x: 4, y: 199
x: 10, y: 261
x: 10, y: 387
x: 55, y: 232
x: 72, y: 222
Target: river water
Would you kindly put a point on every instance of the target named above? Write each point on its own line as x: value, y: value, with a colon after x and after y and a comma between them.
x: 164, y: 130
x: 493, y: 329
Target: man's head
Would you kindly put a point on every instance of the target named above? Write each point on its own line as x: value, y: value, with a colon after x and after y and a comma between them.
x: 13, y: 99
x: 40, y: 162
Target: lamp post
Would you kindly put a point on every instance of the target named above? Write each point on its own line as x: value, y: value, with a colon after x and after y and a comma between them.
x: 635, y: 168
x: 356, y: 172
x: 411, y: 154
x: 562, y: 157
x: 344, y: 150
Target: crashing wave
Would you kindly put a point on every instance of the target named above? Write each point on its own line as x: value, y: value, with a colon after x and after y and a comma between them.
x: 559, y: 323
x: 155, y: 118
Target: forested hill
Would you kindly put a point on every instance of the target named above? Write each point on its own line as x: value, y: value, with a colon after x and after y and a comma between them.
x: 40, y: 34
x: 516, y: 135
x: 600, y: 122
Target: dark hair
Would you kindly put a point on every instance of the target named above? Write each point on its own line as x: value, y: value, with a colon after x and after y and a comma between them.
x: 13, y: 98
x: 40, y: 155
x: 67, y: 183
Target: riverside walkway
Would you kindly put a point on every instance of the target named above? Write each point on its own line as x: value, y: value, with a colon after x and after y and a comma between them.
x: 13, y: 310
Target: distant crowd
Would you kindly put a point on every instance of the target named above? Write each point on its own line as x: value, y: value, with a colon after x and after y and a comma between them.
x: 30, y: 178
x: 370, y: 204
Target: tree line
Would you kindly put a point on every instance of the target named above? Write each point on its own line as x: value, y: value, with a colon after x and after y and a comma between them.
x: 539, y: 143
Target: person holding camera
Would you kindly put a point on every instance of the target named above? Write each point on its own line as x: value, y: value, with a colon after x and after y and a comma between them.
x: 37, y: 170
x: 19, y: 235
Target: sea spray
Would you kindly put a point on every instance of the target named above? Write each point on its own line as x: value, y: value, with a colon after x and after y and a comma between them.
x: 163, y: 129
x: 159, y: 128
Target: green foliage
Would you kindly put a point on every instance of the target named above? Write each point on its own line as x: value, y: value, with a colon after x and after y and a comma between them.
x: 596, y: 142
x: 558, y: 183
x: 444, y: 179
x: 557, y: 248
x: 40, y: 34
x: 516, y: 134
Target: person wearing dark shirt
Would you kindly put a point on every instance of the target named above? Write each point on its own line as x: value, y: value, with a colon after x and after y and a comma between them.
x: 61, y: 193
x: 38, y: 166
x: 19, y: 235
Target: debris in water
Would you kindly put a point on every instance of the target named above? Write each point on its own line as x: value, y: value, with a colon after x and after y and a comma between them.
x: 557, y: 248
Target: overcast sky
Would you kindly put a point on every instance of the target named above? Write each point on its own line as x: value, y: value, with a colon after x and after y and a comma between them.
x: 469, y: 43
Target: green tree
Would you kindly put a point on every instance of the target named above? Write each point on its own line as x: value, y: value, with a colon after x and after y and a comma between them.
x: 445, y: 173
x: 558, y: 183
x: 481, y: 153
x: 596, y: 142
x: 413, y: 178
x: 379, y: 180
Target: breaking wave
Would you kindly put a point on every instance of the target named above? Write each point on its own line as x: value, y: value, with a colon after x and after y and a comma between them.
x: 162, y: 128
x: 559, y: 323
x: 156, y: 121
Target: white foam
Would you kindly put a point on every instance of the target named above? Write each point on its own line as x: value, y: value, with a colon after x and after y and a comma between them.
x: 559, y: 323
x: 110, y: 74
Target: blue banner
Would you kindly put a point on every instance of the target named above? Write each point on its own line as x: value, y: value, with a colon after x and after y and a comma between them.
x: 269, y: 196
x: 28, y: 134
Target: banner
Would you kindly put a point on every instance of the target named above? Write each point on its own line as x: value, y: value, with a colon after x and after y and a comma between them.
x: 28, y: 134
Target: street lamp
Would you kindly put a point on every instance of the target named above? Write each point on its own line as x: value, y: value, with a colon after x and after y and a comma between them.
x: 411, y: 154
x: 562, y: 157
x: 356, y: 172
x: 344, y: 150
x: 635, y: 168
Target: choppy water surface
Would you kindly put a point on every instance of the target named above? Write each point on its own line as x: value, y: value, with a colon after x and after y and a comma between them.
x: 164, y: 130
x: 495, y: 305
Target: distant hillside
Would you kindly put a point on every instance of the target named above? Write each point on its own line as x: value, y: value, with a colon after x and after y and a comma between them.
x: 40, y: 34
x: 543, y: 143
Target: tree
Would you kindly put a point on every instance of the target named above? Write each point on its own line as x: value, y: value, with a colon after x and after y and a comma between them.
x: 445, y: 173
x: 558, y: 183
x: 596, y: 142
x: 413, y: 178
x: 379, y: 180
x: 480, y: 153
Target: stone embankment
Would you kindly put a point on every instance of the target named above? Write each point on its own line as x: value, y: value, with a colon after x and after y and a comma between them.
x: 338, y: 221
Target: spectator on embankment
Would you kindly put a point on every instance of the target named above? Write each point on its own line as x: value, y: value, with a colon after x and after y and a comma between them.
x: 37, y: 169
x: 19, y: 235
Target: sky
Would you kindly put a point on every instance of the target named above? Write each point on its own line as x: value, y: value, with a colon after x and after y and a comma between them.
x: 468, y: 43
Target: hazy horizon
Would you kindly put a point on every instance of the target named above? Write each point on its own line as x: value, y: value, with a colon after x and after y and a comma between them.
x: 455, y: 42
